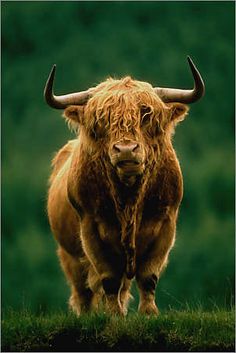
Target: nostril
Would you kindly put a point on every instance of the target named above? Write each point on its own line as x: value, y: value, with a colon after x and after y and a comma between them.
x: 134, y: 147
x: 116, y: 148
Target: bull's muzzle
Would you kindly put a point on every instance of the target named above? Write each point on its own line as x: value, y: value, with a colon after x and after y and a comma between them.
x: 127, y: 157
x: 126, y: 148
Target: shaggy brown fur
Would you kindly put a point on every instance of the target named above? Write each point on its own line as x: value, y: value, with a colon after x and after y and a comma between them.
x: 114, y: 195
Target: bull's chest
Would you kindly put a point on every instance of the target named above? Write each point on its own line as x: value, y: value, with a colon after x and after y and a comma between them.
x: 110, y: 235
x: 145, y: 229
x: 148, y: 233
x: 102, y: 207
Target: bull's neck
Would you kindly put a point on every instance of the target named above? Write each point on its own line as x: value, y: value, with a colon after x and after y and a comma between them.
x: 128, y: 201
x: 125, y: 195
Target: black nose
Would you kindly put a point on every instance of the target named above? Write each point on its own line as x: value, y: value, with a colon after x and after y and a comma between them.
x: 126, y: 148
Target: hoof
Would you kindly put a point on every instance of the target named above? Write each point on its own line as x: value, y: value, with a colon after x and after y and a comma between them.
x: 113, y: 306
x: 79, y: 307
x: 74, y: 306
x: 149, y: 309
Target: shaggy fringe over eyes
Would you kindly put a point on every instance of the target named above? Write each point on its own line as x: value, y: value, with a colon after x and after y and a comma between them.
x: 116, y: 104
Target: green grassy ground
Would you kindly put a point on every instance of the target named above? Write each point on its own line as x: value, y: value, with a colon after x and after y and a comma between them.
x: 171, y: 331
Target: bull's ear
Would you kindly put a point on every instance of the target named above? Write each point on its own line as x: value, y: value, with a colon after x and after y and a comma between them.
x: 178, y: 111
x: 74, y: 113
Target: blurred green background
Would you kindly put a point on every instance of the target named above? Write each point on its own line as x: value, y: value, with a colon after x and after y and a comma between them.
x: 90, y: 41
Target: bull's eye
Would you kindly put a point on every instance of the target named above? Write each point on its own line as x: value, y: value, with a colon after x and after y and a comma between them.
x: 149, y: 122
x: 145, y: 113
x: 145, y: 121
x: 98, y: 131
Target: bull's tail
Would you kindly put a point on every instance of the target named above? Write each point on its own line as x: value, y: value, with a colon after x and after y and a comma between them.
x: 130, y: 264
x: 128, y: 241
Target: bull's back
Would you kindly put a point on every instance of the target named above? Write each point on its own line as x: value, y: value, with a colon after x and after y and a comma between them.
x: 63, y: 219
x: 59, y: 161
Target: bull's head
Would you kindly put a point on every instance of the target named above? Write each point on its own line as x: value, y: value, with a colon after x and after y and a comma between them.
x: 129, y: 119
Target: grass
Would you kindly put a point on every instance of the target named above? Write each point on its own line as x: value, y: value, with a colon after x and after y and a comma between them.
x: 171, y: 331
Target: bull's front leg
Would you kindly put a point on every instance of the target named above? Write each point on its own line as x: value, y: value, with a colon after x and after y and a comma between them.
x: 151, y: 263
x: 108, y: 265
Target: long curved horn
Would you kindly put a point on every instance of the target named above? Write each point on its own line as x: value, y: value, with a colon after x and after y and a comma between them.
x: 61, y: 102
x: 183, y: 95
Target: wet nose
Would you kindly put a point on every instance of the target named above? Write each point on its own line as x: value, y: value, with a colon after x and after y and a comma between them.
x: 126, y: 148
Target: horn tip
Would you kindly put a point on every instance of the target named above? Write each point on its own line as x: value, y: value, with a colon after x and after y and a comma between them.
x: 51, y: 75
x: 190, y: 61
x: 48, y: 89
x: 53, y: 68
x: 197, y: 77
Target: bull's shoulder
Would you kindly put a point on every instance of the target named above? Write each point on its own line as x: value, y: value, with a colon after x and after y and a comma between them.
x: 169, y: 183
x: 61, y: 157
x: 165, y: 189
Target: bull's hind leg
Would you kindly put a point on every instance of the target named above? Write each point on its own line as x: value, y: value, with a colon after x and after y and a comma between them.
x: 124, y: 294
x: 147, y: 286
x: 76, y: 272
x: 152, y: 264
x: 95, y: 284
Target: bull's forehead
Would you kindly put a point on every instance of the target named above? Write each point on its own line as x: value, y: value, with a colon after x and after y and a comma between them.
x: 124, y: 96
x: 122, y: 84
x: 117, y: 105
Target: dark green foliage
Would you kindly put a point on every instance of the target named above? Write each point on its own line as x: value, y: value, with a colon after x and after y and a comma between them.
x: 173, y: 331
x: 90, y: 41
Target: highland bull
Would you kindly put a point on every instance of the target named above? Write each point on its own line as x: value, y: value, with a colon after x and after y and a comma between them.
x: 116, y: 189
